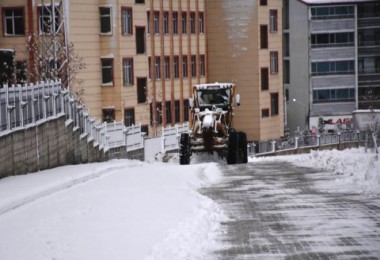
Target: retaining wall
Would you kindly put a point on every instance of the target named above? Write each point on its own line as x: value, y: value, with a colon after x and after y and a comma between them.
x: 54, y: 142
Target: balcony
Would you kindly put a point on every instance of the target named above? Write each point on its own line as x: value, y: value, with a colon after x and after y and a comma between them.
x: 335, y: 80
x: 333, y: 51
x: 332, y: 25
x: 368, y: 22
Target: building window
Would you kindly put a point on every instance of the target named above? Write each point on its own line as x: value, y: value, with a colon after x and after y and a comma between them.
x: 264, y: 79
x: 201, y: 22
x: 192, y: 22
x: 108, y: 115
x: 167, y: 67
x: 323, y: 40
x: 166, y: 22
x: 263, y: 36
x: 127, y: 72
x: 175, y: 23
x: 202, y: 70
x: 369, y: 65
x: 332, y: 67
x: 184, y: 66
x: 107, y: 71
x: 176, y: 67
x: 139, y: 1
x: 126, y: 20
x: 186, y: 110
x: 273, y: 20
x: 105, y: 20
x: 156, y: 22
x: 264, y: 112
x: 274, y: 104
x: 45, y: 20
x: 145, y: 129
x: 13, y: 19
x: 369, y: 37
x: 193, y: 66
x: 263, y: 2
x: 168, y: 112
x: 157, y: 66
x: 273, y: 62
x: 140, y: 40
x: 334, y: 95
x: 141, y: 90
x: 334, y: 12
x: 184, y: 22
x: 369, y: 10
x: 129, y: 116
x: 176, y: 111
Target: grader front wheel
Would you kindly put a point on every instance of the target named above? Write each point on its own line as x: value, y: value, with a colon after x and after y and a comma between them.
x: 184, y: 149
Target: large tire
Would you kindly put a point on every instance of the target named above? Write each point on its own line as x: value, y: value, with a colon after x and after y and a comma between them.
x: 242, y: 150
x: 184, y: 149
x: 232, y: 147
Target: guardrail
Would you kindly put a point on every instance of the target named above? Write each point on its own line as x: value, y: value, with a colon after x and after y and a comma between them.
x: 170, y: 136
x: 311, y: 141
x: 22, y: 106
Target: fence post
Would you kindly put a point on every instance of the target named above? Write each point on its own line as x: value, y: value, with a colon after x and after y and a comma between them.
x: 273, y: 146
x: 9, y: 110
x: 358, y: 137
x: 22, y: 106
x: 45, y: 99
x: 339, y: 142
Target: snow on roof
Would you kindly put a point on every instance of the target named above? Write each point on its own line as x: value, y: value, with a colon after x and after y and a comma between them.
x: 311, y: 2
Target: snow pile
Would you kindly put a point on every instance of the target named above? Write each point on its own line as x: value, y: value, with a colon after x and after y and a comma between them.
x: 354, y: 168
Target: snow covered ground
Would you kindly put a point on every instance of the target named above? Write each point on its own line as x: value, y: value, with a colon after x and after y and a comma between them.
x: 126, y: 209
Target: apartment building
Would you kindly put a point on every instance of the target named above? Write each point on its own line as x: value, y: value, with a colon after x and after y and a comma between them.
x: 143, y: 56
x: 331, y: 60
x: 244, y: 46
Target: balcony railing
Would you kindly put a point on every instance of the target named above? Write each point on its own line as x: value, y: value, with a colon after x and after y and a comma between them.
x: 369, y: 71
x: 330, y: 45
x: 328, y: 73
x: 369, y: 43
x: 333, y: 17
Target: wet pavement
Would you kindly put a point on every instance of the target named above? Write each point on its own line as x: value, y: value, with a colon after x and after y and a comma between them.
x: 280, y: 211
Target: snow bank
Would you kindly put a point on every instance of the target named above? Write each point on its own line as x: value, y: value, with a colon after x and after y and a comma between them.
x: 120, y: 209
x: 354, y: 168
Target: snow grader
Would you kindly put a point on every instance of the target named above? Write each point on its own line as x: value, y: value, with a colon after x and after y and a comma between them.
x: 211, y: 130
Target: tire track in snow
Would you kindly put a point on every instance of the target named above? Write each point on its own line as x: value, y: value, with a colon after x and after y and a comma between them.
x: 55, y: 189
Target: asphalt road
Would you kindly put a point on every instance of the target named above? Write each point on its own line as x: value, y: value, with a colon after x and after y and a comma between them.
x: 280, y: 211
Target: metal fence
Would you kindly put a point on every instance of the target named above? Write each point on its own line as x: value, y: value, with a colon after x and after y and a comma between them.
x: 170, y: 136
x: 306, y: 141
x: 27, y: 105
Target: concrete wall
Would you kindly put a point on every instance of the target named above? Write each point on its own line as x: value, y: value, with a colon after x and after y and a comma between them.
x: 51, y: 144
x: 299, y: 65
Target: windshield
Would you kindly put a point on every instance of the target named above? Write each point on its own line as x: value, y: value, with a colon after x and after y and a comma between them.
x: 214, y: 97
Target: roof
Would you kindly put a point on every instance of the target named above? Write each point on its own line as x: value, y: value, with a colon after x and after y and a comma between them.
x: 317, y: 2
x: 215, y: 85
